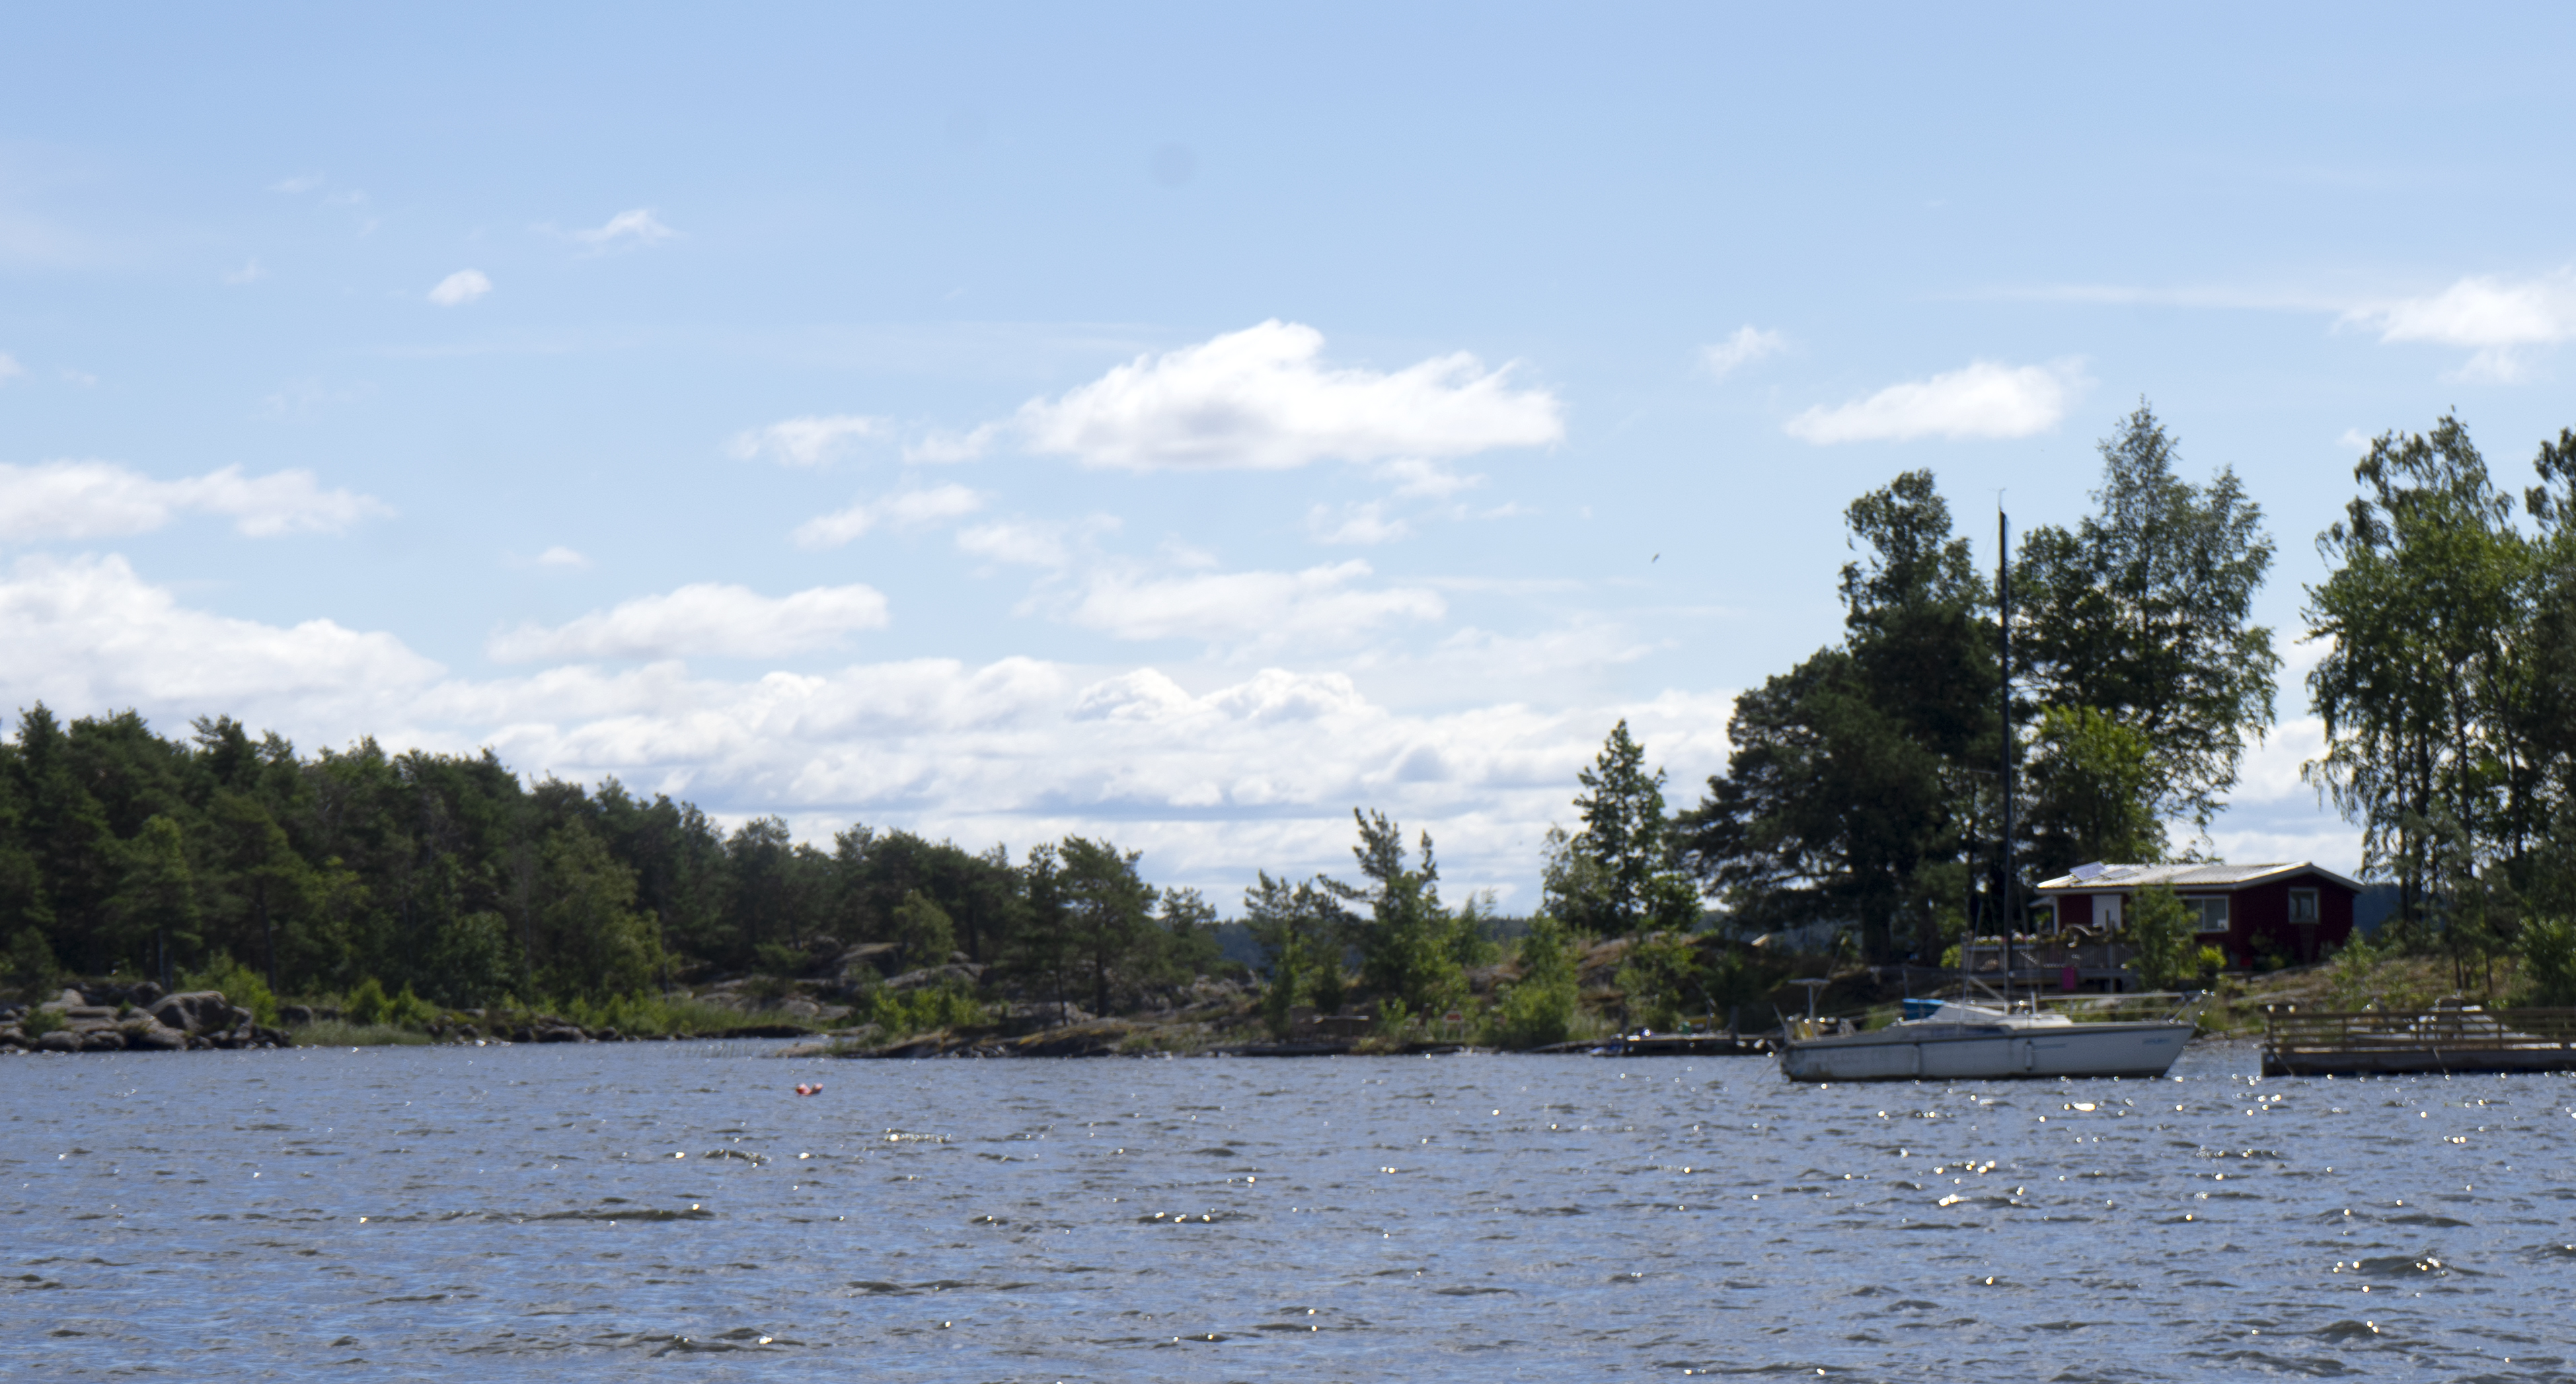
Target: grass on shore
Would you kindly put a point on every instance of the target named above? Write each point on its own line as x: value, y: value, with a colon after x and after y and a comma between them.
x: 340, y: 1033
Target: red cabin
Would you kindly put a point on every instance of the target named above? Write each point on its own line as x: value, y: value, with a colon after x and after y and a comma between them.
x: 2298, y: 913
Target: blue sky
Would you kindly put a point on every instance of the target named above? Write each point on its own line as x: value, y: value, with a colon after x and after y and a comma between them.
x: 1185, y: 424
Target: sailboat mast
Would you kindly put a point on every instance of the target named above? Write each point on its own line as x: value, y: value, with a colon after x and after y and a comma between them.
x: 2004, y: 847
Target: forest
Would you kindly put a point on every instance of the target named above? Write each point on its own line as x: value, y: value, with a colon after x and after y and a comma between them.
x: 1864, y: 789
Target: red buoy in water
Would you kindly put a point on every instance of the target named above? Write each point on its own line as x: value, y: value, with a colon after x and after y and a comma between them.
x: 803, y: 1089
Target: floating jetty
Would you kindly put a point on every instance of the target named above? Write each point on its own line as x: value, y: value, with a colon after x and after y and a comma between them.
x: 1686, y: 1045
x: 2316, y: 1042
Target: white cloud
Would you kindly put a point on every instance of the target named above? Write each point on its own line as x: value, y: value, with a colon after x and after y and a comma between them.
x: 560, y: 556
x: 1260, y: 399
x: 1413, y: 476
x: 460, y: 288
x: 57, y: 500
x: 2492, y: 317
x: 1249, y: 609
x: 88, y: 635
x: 1358, y: 523
x: 1016, y: 541
x: 10, y: 369
x: 706, y: 618
x: 809, y: 441
x: 939, y: 447
x: 902, y: 509
x: 1746, y: 346
x: 638, y: 226
x: 249, y: 273
x: 1985, y: 400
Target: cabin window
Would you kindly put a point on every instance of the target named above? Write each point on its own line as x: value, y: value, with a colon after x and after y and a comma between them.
x: 2212, y: 912
x: 2303, y: 905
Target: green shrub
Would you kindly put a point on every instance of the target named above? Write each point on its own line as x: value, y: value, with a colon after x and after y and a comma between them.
x: 239, y: 984
x: 408, y: 1010
x: 366, y: 1004
x: 1659, y: 972
x: 36, y: 1023
x: 919, y: 1010
x: 2348, y: 978
x: 1281, y: 994
x: 2160, y: 933
x: 656, y: 1014
x: 1539, y: 1008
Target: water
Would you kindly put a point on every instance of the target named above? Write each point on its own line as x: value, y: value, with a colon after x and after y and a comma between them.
x: 511, y: 1213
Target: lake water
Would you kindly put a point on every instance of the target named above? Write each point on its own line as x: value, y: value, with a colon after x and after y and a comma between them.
x: 517, y: 1213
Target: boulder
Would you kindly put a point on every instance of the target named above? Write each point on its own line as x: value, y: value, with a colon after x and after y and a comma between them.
x: 966, y: 972
x: 195, y: 1012
x: 1099, y: 1038
x: 858, y: 961
x: 147, y: 1035
x: 294, y: 1015
x: 12, y: 1036
x: 60, y: 1040
x: 102, y: 1040
x: 144, y: 995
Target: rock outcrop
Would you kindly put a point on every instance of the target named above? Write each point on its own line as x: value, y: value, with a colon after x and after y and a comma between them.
x: 115, y: 1017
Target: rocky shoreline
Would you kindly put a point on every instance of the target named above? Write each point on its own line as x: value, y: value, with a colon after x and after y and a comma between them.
x: 134, y: 1018
x: 114, y: 1016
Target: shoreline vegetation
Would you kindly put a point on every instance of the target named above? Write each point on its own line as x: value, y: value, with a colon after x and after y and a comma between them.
x: 1222, y: 1019
x: 361, y: 896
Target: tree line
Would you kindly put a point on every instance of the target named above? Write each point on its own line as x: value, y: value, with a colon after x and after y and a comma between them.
x: 1864, y: 787
x: 122, y: 850
x: 450, y: 878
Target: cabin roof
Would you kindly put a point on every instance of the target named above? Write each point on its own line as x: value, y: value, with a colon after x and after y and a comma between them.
x: 2100, y: 877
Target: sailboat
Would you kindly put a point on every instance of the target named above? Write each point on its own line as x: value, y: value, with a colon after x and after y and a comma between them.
x: 1972, y: 1042
x: 1959, y: 1040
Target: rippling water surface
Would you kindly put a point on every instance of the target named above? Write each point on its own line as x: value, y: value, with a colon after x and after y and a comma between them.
x: 675, y: 1210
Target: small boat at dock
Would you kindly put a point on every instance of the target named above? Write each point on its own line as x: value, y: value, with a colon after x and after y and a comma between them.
x: 1952, y: 1040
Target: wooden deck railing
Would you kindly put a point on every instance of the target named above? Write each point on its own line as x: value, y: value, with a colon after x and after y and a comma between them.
x: 2287, y: 1030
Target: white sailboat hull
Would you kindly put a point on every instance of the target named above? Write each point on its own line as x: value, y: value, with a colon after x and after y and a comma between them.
x: 1948, y: 1052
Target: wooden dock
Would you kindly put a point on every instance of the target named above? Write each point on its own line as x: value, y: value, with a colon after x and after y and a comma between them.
x: 2311, y: 1042
x: 1684, y: 1045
